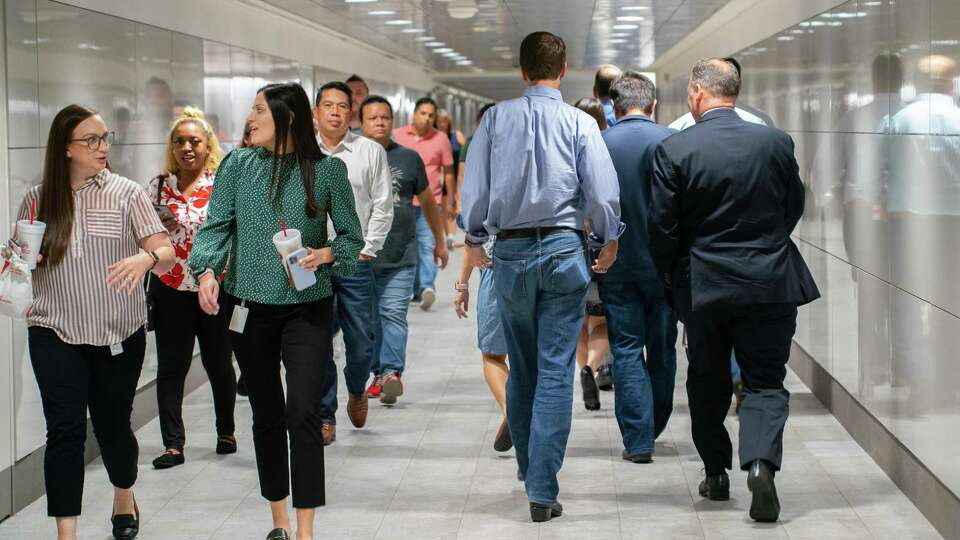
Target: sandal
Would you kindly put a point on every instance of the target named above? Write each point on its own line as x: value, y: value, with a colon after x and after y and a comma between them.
x: 169, y: 459
x: 226, y: 444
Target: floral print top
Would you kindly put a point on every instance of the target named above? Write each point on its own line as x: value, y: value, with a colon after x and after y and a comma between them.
x: 190, y: 212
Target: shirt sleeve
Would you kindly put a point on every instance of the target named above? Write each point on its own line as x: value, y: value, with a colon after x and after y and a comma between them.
x: 475, y: 192
x: 343, y: 214
x: 601, y: 189
x: 663, y: 222
x: 144, y: 218
x: 381, y: 199
x: 420, y: 178
x: 211, y: 241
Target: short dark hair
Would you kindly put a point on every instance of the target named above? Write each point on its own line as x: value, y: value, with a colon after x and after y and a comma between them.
x: 606, y: 75
x: 359, y: 79
x: 634, y: 92
x: 736, y: 65
x: 335, y: 85
x: 426, y: 100
x: 717, y: 76
x: 542, y: 56
x: 375, y: 99
x: 484, y: 109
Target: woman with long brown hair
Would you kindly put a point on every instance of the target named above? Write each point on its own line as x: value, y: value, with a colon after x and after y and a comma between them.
x: 182, y: 194
x: 86, y: 328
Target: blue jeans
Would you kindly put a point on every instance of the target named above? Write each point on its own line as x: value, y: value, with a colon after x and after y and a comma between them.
x: 354, y: 314
x: 426, y: 265
x: 734, y: 368
x: 638, y: 316
x: 541, y: 289
x: 394, y: 286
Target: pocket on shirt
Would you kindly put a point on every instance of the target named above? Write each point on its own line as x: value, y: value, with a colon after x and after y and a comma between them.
x: 104, y: 222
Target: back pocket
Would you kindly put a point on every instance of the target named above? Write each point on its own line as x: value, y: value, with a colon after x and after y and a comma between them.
x: 568, y: 273
x: 508, y: 278
x: 104, y: 222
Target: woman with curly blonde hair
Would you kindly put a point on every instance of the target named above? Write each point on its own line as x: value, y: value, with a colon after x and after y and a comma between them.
x: 181, y: 195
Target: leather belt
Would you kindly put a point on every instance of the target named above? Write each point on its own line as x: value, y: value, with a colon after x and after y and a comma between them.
x: 534, y: 232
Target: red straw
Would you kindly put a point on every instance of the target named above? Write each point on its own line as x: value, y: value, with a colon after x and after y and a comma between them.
x: 33, y: 210
x: 283, y: 225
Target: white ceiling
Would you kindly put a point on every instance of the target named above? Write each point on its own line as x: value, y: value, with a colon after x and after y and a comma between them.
x: 629, y: 33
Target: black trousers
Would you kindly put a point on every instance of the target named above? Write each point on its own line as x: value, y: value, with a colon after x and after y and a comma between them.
x: 760, y: 335
x: 299, y: 336
x: 73, y: 378
x: 179, y: 322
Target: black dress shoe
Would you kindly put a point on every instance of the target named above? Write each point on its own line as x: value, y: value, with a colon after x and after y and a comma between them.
x: 591, y: 394
x: 716, y: 487
x: 226, y: 444
x: 605, y: 378
x: 168, y: 460
x: 637, y: 458
x: 278, y: 534
x: 242, y: 386
x: 126, y: 526
x: 503, y: 442
x: 545, y: 512
x: 765, y: 506
x: 519, y: 475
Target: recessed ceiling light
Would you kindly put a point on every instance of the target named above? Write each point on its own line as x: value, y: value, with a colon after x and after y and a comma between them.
x: 506, y: 56
x: 434, y: 44
x: 443, y: 50
x: 399, y: 22
x: 619, y: 34
x: 481, y: 28
x: 625, y: 27
x: 358, y: 1
x: 383, y: 13
x: 465, y: 63
x: 413, y: 30
x: 500, y: 48
x: 635, y: 8
x: 616, y: 41
x: 630, y: 18
x: 426, y: 38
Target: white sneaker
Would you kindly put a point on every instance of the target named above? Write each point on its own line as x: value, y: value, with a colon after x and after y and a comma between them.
x: 428, y: 296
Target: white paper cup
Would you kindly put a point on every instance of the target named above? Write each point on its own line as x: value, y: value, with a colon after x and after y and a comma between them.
x: 287, y: 244
x: 30, y: 236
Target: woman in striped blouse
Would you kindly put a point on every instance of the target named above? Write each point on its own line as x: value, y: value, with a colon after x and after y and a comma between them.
x: 86, y: 326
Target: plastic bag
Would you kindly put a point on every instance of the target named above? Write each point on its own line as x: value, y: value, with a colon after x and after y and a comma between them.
x: 16, y: 287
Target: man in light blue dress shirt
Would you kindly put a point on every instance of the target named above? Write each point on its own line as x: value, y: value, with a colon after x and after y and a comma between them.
x: 538, y: 168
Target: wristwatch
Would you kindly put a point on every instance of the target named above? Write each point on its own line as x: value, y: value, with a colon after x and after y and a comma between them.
x: 460, y: 286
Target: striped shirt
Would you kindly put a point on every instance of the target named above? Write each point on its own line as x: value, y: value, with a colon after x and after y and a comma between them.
x: 111, y: 215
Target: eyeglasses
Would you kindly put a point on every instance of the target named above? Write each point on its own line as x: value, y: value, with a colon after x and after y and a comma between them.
x: 94, y: 142
x: 330, y: 106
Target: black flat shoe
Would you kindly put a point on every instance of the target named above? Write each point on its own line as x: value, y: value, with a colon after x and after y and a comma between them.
x: 169, y: 460
x: 242, y: 387
x: 278, y: 534
x: 605, y: 378
x: 545, y: 512
x: 637, y: 458
x: 765, y: 506
x: 716, y: 487
x: 591, y: 394
x: 126, y: 526
x: 226, y: 444
x: 503, y: 442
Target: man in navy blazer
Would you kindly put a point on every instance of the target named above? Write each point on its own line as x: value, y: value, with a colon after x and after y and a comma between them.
x: 638, y: 315
x: 726, y: 196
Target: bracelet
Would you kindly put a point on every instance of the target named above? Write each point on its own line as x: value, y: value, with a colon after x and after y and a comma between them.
x: 155, y: 258
x: 460, y: 286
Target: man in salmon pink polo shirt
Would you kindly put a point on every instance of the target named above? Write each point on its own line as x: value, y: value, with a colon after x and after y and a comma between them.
x: 434, y: 149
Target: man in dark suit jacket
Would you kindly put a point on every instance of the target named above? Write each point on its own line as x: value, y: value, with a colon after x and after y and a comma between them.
x: 638, y: 315
x: 726, y: 195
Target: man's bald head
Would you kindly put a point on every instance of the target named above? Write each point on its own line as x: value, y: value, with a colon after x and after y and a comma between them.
x: 606, y: 75
x: 717, y: 77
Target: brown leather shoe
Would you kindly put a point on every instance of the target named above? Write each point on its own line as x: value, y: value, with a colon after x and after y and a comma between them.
x: 329, y: 432
x: 357, y: 409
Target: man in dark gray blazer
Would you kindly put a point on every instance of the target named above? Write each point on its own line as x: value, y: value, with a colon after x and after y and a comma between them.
x: 726, y: 195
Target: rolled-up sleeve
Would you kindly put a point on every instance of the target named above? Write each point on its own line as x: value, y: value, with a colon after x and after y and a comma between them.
x: 600, y: 186
x: 211, y: 241
x: 381, y: 200
x: 475, y: 193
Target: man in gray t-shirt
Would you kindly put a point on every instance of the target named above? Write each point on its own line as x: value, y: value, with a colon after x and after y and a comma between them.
x: 396, y: 264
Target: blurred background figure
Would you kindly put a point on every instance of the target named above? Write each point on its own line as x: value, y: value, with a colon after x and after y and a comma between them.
x: 457, y: 139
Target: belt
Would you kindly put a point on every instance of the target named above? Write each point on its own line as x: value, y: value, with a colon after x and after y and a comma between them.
x: 534, y: 232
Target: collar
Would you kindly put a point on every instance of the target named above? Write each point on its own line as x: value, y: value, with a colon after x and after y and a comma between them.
x: 543, y: 91
x: 718, y: 112
x: 410, y: 130
x: 633, y: 117
x: 391, y: 145
x: 347, y: 143
x: 99, y: 180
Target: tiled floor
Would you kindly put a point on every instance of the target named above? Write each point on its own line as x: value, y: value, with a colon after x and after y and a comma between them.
x: 426, y: 469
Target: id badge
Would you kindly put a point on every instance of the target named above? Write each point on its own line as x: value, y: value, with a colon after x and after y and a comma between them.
x: 116, y: 349
x: 238, y: 321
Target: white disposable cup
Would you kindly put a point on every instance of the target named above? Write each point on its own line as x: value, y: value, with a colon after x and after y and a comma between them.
x: 287, y: 242
x: 30, y: 236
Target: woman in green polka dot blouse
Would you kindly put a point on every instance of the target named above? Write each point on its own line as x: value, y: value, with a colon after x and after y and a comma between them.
x: 282, y: 180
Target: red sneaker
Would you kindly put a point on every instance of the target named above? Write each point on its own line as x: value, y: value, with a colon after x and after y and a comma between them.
x: 375, y: 387
x: 392, y: 389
